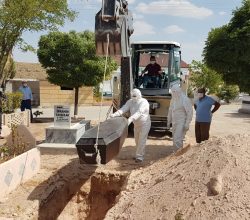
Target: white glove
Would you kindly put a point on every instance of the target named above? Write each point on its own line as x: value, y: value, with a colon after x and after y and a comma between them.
x: 168, y: 126
x: 129, y: 121
x: 112, y: 116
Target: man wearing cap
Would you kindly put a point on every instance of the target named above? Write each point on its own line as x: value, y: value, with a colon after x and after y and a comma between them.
x: 27, y: 97
x: 153, y: 74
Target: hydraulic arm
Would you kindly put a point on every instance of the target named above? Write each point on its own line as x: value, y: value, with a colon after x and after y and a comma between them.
x: 114, y: 19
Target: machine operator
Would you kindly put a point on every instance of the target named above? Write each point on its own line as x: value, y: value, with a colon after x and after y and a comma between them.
x: 152, y: 74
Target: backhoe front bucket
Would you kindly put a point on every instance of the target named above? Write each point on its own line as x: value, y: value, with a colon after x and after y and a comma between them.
x: 113, y: 25
x: 114, y: 47
x: 116, y: 29
x: 107, y: 25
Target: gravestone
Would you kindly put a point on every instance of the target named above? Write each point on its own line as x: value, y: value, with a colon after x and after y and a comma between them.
x: 62, y: 116
x: 63, y: 131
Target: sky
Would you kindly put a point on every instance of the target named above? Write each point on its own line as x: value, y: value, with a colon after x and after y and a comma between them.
x: 185, y: 21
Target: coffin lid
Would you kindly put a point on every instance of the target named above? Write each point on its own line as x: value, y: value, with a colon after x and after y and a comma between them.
x: 109, y: 131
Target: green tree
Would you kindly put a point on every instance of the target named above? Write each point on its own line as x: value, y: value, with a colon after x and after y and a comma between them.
x: 70, y: 60
x: 228, y: 92
x: 202, y: 76
x: 227, y: 48
x: 18, y: 16
x: 11, y: 102
x: 9, y: 71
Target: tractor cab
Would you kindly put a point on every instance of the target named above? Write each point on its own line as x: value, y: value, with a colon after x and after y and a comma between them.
x: 156, y: 87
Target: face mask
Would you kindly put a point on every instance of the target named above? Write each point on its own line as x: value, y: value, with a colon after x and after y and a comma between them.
x: 200, y: 95
x: 152, y: 62
x: 175, y: 94
x: 134, y: 98
x: 25, y: 85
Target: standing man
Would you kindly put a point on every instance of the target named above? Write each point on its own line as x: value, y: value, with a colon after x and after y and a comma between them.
x: 154, y: 72
x: 139, y: 115
x: 27, y: 97
x: 180, y: 114
x: 204, y: 115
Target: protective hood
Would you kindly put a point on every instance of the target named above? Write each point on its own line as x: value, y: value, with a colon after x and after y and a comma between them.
x: 176, y: 91
x: 136, y: 94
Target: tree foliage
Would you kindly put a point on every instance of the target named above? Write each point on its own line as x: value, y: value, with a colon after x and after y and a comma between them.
x: 9, y: 71
x: 202, y: 76
x: 227, y: 48
x: 11, y: 102
x: 18, y: 16
x: 228, y: 92
x: 70, y: 59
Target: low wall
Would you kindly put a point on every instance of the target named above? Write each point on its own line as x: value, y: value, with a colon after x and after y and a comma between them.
x: 51, y: 95
x: 18, y: 170
x: 17, y: 118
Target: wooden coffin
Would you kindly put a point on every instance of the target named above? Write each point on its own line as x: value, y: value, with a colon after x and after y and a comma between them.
x: 112, y: 134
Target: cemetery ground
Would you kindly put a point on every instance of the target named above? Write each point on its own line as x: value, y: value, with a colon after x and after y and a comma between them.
x: 164, y: 186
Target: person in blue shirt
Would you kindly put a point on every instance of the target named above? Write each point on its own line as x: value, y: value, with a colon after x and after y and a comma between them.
x: 27, y: 97
x: 204, y: 114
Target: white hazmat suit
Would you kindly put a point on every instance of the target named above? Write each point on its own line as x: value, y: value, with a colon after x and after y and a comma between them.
x: 180, y: 114
x: 139, y: 115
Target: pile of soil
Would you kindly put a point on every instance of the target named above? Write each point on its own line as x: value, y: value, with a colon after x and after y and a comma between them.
x: 206, y: 181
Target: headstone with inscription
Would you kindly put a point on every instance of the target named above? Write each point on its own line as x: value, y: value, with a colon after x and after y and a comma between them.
x: 62, y: 116
x: 63, y: 132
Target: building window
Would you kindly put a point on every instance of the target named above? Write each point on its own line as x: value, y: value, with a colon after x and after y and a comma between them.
x: 66, y: 88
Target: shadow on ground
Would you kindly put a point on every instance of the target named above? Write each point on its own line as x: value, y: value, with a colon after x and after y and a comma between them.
x: 155, y: 134
x: 160, y: 135
x: 238, y: 115
x: 154, y: 151
x: 55, y: 192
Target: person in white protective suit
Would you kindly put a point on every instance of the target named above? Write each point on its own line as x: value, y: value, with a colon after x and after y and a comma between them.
x: 180, y: 114
x: 139, y: 115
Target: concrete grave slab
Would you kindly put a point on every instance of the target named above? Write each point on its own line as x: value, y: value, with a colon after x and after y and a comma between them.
x: 66, y: 135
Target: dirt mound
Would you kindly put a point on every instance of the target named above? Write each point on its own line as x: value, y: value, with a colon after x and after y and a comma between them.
x: 209, y: 181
